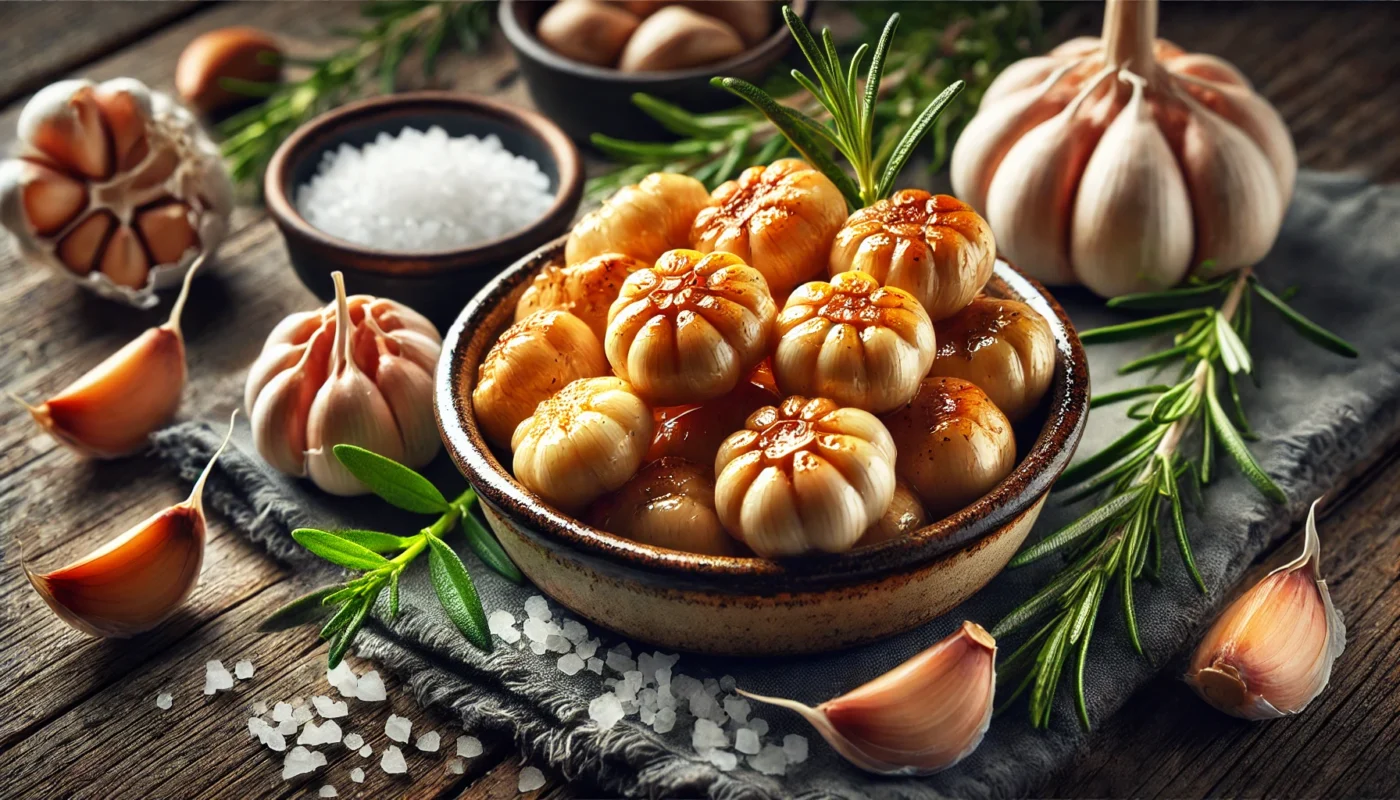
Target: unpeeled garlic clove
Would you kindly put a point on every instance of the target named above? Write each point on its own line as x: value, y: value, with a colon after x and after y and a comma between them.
x: 641, y: 221
x: 678, y: 38
x: 63, y: 121
x: 922, y: 717
x: 1271, y: 652
x: 589, y: 31
x: 134, y: 582
x: 669, y: 503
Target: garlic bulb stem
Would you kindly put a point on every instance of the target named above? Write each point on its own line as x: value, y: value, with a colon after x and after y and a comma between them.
x: 178, y: 309
x: 1129, y: 31
x: 341, y: 350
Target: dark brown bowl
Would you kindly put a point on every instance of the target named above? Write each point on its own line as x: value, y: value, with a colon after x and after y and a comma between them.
x: 586, y: 99
x: 754, y: 606
x: 435, y: 283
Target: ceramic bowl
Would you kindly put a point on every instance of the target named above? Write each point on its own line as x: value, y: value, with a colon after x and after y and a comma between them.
x: 754, y: 606
x: 434, y: 283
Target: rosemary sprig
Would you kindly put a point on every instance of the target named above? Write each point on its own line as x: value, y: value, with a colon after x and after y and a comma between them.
x: 1138, y: 478
x: 348, y: 603
x: 394, y: 29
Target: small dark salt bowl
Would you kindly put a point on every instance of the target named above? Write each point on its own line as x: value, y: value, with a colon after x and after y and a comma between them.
x: 435, y: 283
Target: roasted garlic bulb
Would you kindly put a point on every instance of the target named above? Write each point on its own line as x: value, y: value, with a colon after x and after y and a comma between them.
x: 690, y: 328
x: 695, y: 431
x: 585, y: 441
x: 780, y: 219
x: 854, y: 341
x: 586, y: 289
x: 804, y: 475
x: 669, y: 503
x: 905, y: 514
x: 954, y: 444
x: 114, y: 185
x: 1004, y: 347
x: 933, y: 246
x: 533, y: 359
x: 642, y: 221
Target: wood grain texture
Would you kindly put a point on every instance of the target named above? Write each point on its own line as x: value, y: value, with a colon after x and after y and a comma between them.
x: 81, y: 719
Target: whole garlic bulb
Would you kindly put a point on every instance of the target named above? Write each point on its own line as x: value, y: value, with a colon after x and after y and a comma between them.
x: 114, y: 185
x: 1121, y: 162
x: 669, y: 503
x: 1004, y: 347
x: 695, y: 431
x: 359, y: 371
x: 586, y: 289
x: 640, y: 221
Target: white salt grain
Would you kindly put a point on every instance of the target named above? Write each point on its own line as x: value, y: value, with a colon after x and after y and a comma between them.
x: 366, y: 751
x: 538, y: 608
x: 737, y: 708
x: 574, y: 630
x: 429, y: 742
x: 770, y: 761
x: 502, y: 624
x: 260, y: 707
x: 353, y: 741
x: 343, y: 679
x: 326, y: 733
x: 530, y: 780
x: 538, y: 648
x: 243, y: 670
x: 683, y: 686
x: 723, y: 759
x: 328, y: 708
x: 703, y: 705
x: 605, y: 710
x: 287, y: 727
x: 556, y: 643
x: 393, y: 762
x: 665, y: 720
x: 357, y: 775
x: 586, y: 648
x: 795, y: 748
x: 370, y: 687
x: 300, y: 761
x: 302, y: 714
x: 570, y: 664
x: 216, y: 677
x: 746, y: 741
x: 327, y: 791
x: 468, y: 746
x: 456, y: 766
x: 619, y: 662
x: 164, y: 700
x: 282, y: 712
x: 707, y: 735
x: 398, y: 728
x: 595, y: 665
x: 759, y: 725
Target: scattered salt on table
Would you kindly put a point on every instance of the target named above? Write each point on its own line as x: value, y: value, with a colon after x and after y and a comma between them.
x: 344, y: 680
x: 328, y: 708
x: 595, y: 665
x: 456, y: 766
x: 770, y: 761
x: 397, y: 728
x: 707, y: 735
x: 575, y: 631
x: 429, y: 742
x: 326, y: 733
x: 353, y: 741
x: 371, y: 687
x: 327, y: 791
x: 357, y: 775
x: 300, y: 761
x: 737, y: 708
x: 282, y: 712
x: 530, y: 780
x: 393, y: 761
x: 468, y: 746
x: 536, y: 607
x: 795, y: 748
x: 366, y: 751
x: 586, y: 648
x: 216, y: 677
x: 502, y: 624
x: 746, y: 741
x: 723, y: 759
x: 164, y: 700
x: 570, y: 664
x: 606, y: 710
x: 302, y: 714
x: 243, y: 670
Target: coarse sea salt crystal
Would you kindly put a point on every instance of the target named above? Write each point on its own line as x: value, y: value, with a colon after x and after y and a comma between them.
x: 570, y: 664
x: 574, y: 630
x: 216, y: 677
x: 723, y: 759
x: 328, y: 708
x: 260, y: 707
x: 344, y: 680
x: 587, y: 648
x: 795, y: 748
x: 164, y: 701
x: 287, y: 727
x: 502, y: 624
x: 398, y: 728
x: 393, y: 762
x: 683, y: 686
x: 665, y: 720
x: 468, y: 746
x: 456, y: 766
x: 746, y: 741
x: 302, y: 714
x: 706, y: 735
x: 759, y: 725
x: 619, y: 663
x: 326, y: 733
x: 530, y: 780
x: 429, y: 742
x: 737, y: 708
x: 606, y: 710
x: 703, y: 705
x: 282, y: 712
x: 595, y: 665
x: 371, y: 687
x: 243, y: 670
x: 327, y: 791
x: 357, y: 775
x: 770, y: 760
x: 536, y: 607
x: 556, y: 643
x: 353, y: 741
x: 366, y: 751
x: 300, y: 761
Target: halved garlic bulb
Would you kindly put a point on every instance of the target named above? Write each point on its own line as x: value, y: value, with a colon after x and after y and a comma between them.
x: 115, y: 186
x: 805, y: 475
x: 695, y: 431
x: 954, y: 444
x: 669, y: 503
x: 1271, y: 651
x: 691, y: 327
x: 854, y: 341
x: 132, y: 583
x: 1004, y: 347
x: 780, y: 219
x: 933, y: 246
x: 921, y: 717
x: 359, y: 371
x: 533, y: 359
x: 586, y: 289
x: 585, y: 441
x: 641, y: 221
x: 904, y: 515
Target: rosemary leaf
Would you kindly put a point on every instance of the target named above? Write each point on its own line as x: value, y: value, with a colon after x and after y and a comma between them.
x: 1234, y: 445
x: 1140, y: 328
x: 1119, y: 396
x: 1101, y: 515
x: 1310, y: 330
x: 1171, y: 297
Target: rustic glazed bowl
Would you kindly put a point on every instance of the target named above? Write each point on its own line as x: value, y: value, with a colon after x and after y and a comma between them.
x: 754, y: 606
x: 434, y: 283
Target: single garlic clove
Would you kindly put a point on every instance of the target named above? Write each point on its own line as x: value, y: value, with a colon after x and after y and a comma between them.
x: 167, y: 231
x: 284, y: 348
x: 590, y: 31
x: 640, y: 221
x: 678, y: 38
x: 669, y: 503
x: 695, y: 431
x: 905, y: 515
x: 64, y: 122
x: 126, y: 108
x: 404, y: 385
x: 1024, y: 74
x: 586, y: 289
x: 920, y: 718
x: 79, y: 247
x: 124, y: 259
x: 1271, y: 651
x: 279, y: 413
x: 1002, y: 346
x: 137, y: 580
x: 1253, y: 114
x: 47, y: 200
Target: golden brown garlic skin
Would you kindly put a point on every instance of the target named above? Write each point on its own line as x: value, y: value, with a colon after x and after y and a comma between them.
x: 779, y: 219
x: 689, y: 329
x: 954, y: 444
x: 586, y: 289
x: 1004, y: 347
x: 589, y: 31
x: 695, y: 431
x: 532, y: 360
x: 669, y: 503
x: 585, y: 441
x: 854, y: 341
x: 905, y: 514
x: 933, y: 246
x: 642, y: 221
x: 803, y: 476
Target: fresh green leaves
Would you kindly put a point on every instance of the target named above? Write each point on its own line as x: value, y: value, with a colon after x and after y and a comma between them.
x: 1310, y: 330
x: 337, y: 550
x: 457, y: 593
x: 394, y: 482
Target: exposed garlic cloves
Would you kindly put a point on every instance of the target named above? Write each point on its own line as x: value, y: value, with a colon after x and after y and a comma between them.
x: 134, y: 582
x: 922, y: 717
x: 1271, y: 652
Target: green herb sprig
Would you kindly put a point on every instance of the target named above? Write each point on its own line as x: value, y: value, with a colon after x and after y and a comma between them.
x: 349, y: 603
x: 1138, y: 479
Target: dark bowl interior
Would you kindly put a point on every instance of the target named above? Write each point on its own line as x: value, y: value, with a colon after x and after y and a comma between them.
x: 436, y: 283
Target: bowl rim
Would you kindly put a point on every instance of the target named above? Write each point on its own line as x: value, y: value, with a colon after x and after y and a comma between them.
x: 526, y: 41
x: 310, y: 136
x: 1032, y: 477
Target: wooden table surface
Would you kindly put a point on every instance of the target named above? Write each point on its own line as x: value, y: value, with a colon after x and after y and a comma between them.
x: 79, y: 715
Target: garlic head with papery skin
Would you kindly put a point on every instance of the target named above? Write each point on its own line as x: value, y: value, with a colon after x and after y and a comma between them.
x: 137, y: 580
x: 803, y: 476
x: 580, y: 444
x: 932, y: 246
x: 1002, y: 346
x: 780, y: 219
x: 1121, y: 162
x: 669, y: 503
x: 114, y: 185
x: 640, y: 221
x: 690, y: 328
x: 921, y: 717
x: 954, y: 444
x: 359, y: 371
x: 854, y: 341
x: 586, y: 289
x: 695, y: 431
x: 1271, y: 651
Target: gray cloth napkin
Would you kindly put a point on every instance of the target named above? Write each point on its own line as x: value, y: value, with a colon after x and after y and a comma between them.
x: 1318, y: 415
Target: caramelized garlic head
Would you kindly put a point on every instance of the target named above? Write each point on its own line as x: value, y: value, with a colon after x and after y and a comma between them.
x: 669, y: 503
x: 780, y: 219
x: 933, y: 246
x: 695, y: 431
x: 904, y: 515
x: 586, y: 289
x: 861, y: 344
x: 533, y: 359
x: 1004, y: 347
x: 583, y: 442
x: 804, y: 475
x: 955, y: 444
x: 642, y: 221
x: 690, y: 328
